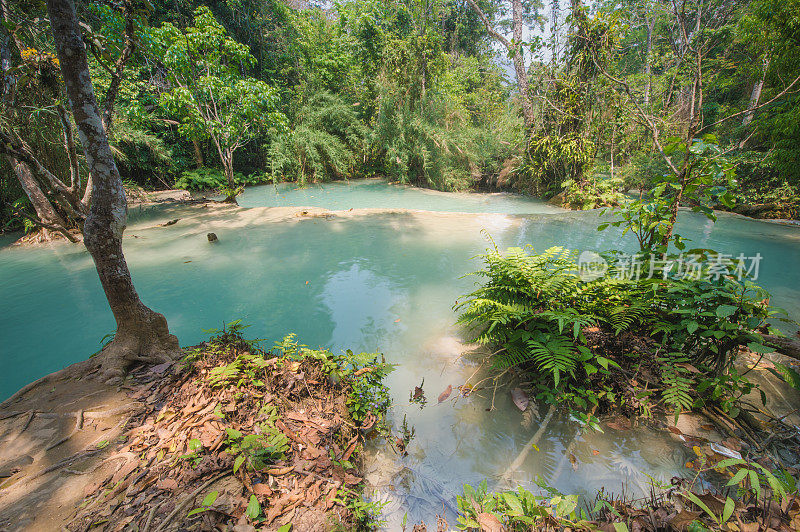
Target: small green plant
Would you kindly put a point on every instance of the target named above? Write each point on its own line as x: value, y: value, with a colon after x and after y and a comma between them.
x: 208, y: 501
x: 364, y: 372
x: 708, y: 180
x: 256, y: 451
x: 518, y: 510
x: 194, y: 456
x: 366, y: 514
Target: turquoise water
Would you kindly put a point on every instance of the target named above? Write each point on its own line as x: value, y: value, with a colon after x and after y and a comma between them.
x: 378, y: 281
x: 374, y: 193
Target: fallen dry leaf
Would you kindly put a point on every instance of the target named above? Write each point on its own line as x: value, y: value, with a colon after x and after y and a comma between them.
x: 520, y: 398
x: 489, y: 523
x: 446, y: 393
x: 278, y: 471
x: 262, y: 489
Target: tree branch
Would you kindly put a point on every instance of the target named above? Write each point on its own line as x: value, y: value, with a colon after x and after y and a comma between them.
x: 500, y: 37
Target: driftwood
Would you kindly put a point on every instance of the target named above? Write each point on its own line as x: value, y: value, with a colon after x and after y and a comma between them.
x: 783, y: 345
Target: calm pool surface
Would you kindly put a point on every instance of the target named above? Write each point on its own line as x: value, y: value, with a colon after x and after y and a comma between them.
x: 377, y: 282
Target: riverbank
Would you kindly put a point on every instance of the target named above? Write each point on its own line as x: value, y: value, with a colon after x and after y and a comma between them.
x: 230, y: 436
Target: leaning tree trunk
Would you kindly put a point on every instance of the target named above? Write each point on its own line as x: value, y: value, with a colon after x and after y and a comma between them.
x: 142, y: 334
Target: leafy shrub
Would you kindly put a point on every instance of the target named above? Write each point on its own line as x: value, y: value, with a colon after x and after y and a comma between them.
x: 580, y: 338
x: 327, y: 144
x: 413, y: 144
x: 596, y: 192
x: 644, y: 171
x: 214, y: 179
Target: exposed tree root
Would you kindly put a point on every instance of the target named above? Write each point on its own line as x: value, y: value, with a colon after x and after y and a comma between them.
x: 186, y: 501
x: 151, y: 344
x: 518, y: 461
x: 78, y: 426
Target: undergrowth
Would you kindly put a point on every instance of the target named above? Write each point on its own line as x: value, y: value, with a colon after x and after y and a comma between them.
x: 638, y: 344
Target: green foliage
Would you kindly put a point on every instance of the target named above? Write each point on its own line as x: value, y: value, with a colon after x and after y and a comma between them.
x: 519, y: 510
x: 593, y: 193
x: 257, y: 451
x: 538, y: 313
x: 208, y: 91
x: 368, y: 399
x: 366, y: 514
x: 214, y: 179
x: 328, y: 143
x: 708, y: 180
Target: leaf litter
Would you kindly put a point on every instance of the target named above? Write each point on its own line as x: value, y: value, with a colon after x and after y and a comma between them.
x: 187, y: 463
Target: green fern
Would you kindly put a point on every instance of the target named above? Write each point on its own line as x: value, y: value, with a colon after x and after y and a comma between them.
x: 678, y: 386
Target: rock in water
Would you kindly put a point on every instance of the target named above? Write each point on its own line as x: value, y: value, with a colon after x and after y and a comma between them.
x: 212, y: 237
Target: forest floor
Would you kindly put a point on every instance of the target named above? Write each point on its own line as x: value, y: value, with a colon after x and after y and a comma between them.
x: 187, y: 445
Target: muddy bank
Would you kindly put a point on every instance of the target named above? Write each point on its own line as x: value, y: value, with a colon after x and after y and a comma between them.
x: 231, y: 437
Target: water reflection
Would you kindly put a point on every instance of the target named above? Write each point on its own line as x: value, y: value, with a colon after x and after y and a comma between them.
x: 371, y: 282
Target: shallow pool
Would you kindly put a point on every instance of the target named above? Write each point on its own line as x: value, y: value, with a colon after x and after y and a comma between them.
x: 365, y: 281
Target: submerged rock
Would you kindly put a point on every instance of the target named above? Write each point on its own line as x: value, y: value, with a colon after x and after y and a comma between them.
x: 212, y: 237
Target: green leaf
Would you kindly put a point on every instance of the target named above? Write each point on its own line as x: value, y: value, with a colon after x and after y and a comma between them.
x: 692, y: 327
x: 285, y: 528
x: 233, y: 433
x: 238, y: 462
x: 253, y: 508
x: 787, y: 374
x: 727, y: 511
x: 620, y: 527
x: 210, y: 498
x: 738, y: 477
x: 513, y: 502
x: 692, y: 497
x: 723, y: 311
x: 756, y: 347
x: 755, y: 484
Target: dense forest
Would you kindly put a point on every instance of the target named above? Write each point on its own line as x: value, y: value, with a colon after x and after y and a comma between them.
x: 629, y: 109
x: 585, y: 102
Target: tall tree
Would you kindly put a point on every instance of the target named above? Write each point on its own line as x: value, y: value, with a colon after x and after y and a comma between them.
x: 209, y: 93
x: 142, y: 334
x: 515, y: 47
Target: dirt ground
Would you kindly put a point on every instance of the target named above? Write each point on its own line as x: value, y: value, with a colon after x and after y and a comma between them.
x: 56, y: 442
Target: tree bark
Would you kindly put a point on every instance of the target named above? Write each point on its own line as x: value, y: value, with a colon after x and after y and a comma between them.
x: 755, y: 97
x: 514, y: 48
x: 783, y: 345
x: 142, y: 334
x: 198, y: 153
x: 648, y: 77
x: 41, y: 205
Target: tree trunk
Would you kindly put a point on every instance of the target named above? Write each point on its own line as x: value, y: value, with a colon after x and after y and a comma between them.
x: 648, y: 77
x: 44, y: 209
x: 519, y: 67
x: 554, y: 11
x: 514, y: 47
x: 226, y: 157
x: 755, y: 96
x: 198, y: 153
x: 142, y: 334
x: 41, y: 205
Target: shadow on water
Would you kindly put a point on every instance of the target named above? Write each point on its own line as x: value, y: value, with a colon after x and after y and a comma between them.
x: 368, y: 282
